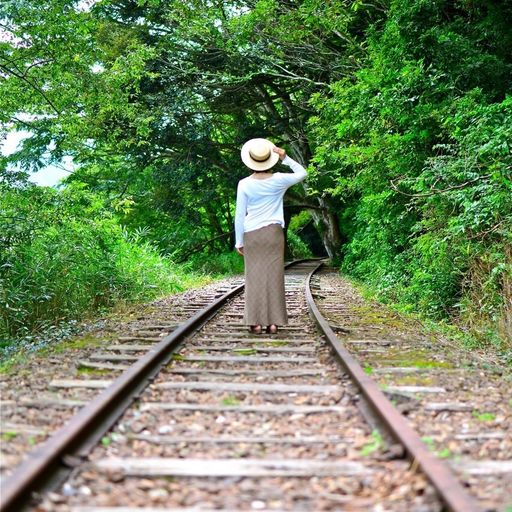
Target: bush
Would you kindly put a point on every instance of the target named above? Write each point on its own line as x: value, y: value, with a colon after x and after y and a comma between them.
x: 416, y: 148
x: 296, y: 246
x: 217, y: 264
x: 63, y: 256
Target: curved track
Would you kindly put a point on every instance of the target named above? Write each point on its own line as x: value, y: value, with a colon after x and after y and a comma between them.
x: 241, y: 421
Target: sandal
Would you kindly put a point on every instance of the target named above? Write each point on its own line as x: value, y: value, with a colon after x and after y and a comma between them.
x: 255, y: 329
x: 272, y: 329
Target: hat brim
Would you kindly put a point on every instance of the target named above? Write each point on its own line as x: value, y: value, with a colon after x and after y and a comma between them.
x: 254, y: 164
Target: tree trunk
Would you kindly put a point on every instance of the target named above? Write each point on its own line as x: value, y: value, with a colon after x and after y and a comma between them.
x: 326, y: 220
x: 324, y: 215
x: 328, y: 227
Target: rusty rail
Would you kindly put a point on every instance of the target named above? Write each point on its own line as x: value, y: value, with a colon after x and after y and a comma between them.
x: 49, y: 465
x: 440, y: 476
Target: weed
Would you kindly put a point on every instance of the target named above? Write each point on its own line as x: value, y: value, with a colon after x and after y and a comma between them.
x: 8, y: 435
x: 230, y: 401
x: 414, y: 380
x: 483, y: 416
x: 376, y: 443
x: 245, y: 351
x: 444, y: 453
x: 81, y: 342
x: 429, y: 441
x: 431, y: 445
x: 72, y: 261
x: 85, y: 370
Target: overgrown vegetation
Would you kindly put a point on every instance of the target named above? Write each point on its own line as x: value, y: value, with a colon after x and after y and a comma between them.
x: 64, y: 256
x: 404, y: 109
x: 419, y: 143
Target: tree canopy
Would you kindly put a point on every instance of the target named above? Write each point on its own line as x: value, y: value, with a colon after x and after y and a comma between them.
x: 401, y: 109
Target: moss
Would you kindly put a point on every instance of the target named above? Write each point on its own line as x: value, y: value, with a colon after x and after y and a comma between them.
x: 484, y: 416
x: 245, y: 351
x: 412, y: 380
x: 230, y: 401
x: 434, y: 329
x: 429, y: 441
x: 78, y: 343
x: 8, y: 435
x: 19, y: 360
x: 276, y: 343
x: 13, y: 364
x: 374, y: 444
x: 369, y: 316
x: 85, y: 370
x: 412, y: 358
x: 424, y: 363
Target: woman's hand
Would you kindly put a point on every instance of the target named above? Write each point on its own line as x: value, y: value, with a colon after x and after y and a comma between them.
x: 240, y: 250
x: 280, y: 151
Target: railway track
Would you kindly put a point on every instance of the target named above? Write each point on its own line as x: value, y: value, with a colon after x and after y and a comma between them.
x: 225, y: 420
x: 457, y: 401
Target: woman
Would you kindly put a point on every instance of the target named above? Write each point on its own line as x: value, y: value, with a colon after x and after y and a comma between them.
x: 259, y: 223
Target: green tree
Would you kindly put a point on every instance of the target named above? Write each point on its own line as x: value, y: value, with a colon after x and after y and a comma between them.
x: 417, y: 146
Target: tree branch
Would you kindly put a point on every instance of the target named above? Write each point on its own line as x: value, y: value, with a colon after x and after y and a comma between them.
x: 33, y: 86
x: 439, y: 191
x: 202, y: 245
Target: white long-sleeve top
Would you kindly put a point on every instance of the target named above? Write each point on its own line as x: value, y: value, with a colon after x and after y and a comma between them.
x: 259, y: 202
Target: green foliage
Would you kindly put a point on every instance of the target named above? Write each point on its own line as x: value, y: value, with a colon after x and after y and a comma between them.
x: 65, y: 88
x: 230, y: 401
x: 444, y: 453
x: 430, y: 442
x: 296, y: 247
x: 404, y: 108
x: 245, y: 351
x: 484, y: 416
x: 375, y: 444
x: 9, y: 435
x: 217, y: 265
x: 63, y: 255
x: 157, y: 98
x: 417, y: 147
x: 368, y: 370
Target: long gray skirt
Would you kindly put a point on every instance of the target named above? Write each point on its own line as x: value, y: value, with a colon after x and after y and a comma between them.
x: 265, y: 302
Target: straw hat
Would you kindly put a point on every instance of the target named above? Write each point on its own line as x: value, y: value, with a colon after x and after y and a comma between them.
x: 257, y: 154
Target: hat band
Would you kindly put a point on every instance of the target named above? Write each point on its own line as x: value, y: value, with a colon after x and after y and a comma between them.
x: 259, y: 159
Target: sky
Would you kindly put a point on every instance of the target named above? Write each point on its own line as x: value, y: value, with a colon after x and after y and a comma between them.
x: 48, y: 176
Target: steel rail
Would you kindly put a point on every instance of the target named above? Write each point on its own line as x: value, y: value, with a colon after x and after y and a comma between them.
x: 439, y: 474
x: 49, y: 465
